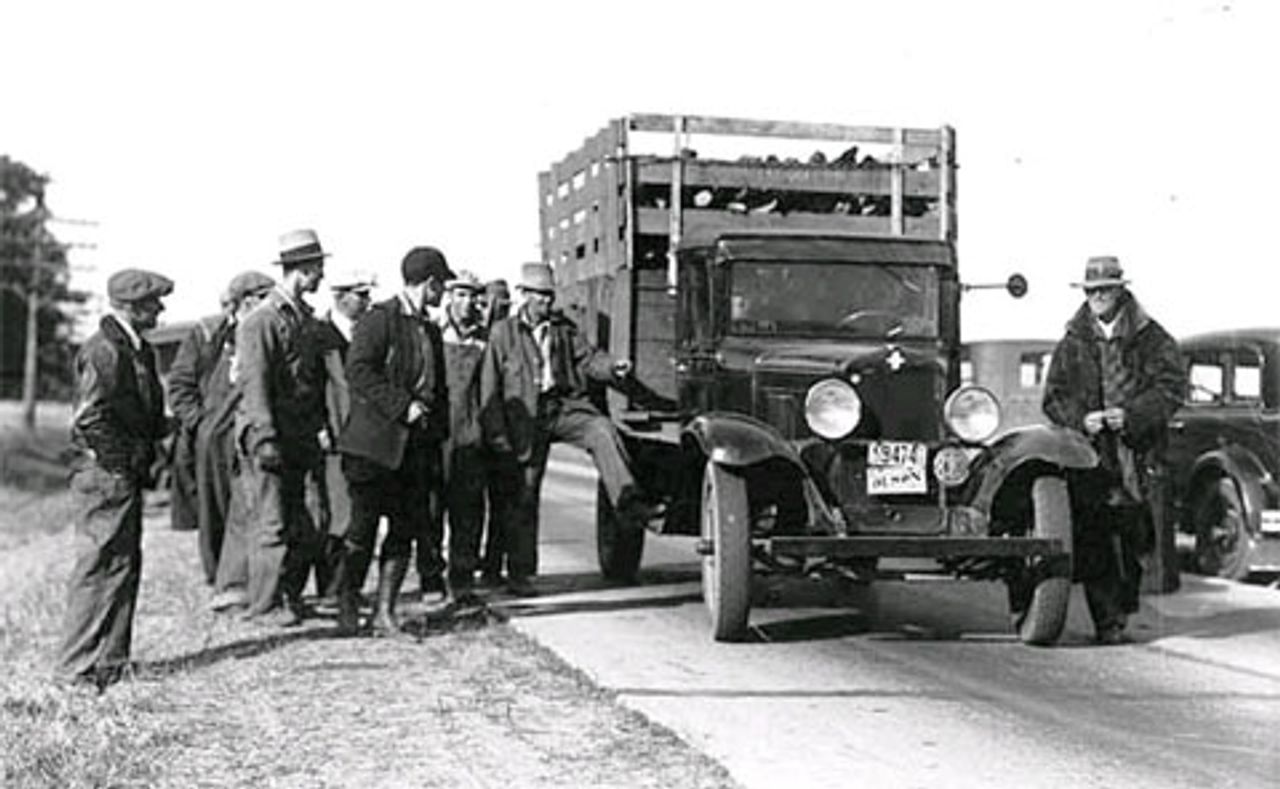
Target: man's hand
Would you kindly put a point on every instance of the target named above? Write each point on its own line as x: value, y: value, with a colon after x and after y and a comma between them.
x: 1094, y: 421
x: 1114, y: 418
x: 416, y: 412
x: 326, y: 443
x: 622, y: 369
x: 267, y: 457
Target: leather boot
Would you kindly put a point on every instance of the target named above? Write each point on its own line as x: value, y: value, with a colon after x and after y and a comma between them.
x: 391, y: 574
x: 351, y: 571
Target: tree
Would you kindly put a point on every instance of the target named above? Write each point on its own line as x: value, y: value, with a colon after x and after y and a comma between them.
x: 34, y: 274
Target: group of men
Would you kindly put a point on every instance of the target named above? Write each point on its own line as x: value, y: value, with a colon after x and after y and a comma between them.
x: 433, y: 409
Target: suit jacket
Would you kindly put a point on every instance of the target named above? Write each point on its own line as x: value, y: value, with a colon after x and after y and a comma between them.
x: 119, y: 410
x: 193, y: 365
x: 511, y: 379
x: 395, y: 358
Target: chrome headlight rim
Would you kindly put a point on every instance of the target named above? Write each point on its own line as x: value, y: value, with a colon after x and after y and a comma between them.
x: 958, y: 421
x: 832, y: 409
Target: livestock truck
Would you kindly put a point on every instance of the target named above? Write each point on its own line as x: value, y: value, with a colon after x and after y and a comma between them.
x: 794, y: 323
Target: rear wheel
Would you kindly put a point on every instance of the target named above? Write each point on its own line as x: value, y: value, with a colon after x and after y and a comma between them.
x: 1046, y: 615
x: 726, y: 571
x: 1222, y: 535
x: 619, y: 547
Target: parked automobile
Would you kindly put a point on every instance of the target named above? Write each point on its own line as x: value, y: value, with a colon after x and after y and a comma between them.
x: 1224, y: 452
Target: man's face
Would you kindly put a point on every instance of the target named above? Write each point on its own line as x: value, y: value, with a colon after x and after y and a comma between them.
x: 145, y: 313
x: 351, y: 303
x: 432, y: 292
x: 538, y: 304
x: 312, y: 273
x: 464, y: 305
x: 1103, y: 301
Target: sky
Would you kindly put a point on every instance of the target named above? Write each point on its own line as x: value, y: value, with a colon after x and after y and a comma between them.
x: 194, y: 134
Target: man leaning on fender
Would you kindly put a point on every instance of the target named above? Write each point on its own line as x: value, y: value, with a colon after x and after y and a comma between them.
x: 118, y: 417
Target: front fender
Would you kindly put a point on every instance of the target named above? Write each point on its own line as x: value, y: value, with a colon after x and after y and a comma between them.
x: 737, y: 440
x: 1241, y: 465
x: 1058, y: 446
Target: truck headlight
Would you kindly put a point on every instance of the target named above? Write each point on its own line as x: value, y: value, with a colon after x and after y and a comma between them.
x: 972, y: 413
x: 832, y: 409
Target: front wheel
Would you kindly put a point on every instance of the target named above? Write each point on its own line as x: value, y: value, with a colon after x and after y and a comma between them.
x: 618, y: 546
x: 1046, y: 614
x: 1222, y: 535
x: 726, y: 570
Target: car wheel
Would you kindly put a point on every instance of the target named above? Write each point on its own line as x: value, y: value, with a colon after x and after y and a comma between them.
x: 1222, y: 534
x: 1046, y: 615
x: 726, y: 570
x: 618, y: 548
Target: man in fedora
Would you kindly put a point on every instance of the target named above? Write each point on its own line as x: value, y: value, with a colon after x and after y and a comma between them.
x: 117, y: 420
x: 281, y: 412
x: 533, y: 391
x: 390, y: 444
x: 1117, y: 377
x: 200, y: 395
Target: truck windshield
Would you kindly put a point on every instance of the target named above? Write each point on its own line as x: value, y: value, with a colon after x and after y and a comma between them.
x: 859, y: 299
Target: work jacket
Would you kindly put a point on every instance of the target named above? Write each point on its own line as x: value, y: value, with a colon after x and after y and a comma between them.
x: 396, y: 357
x: 190, y: 375
x: 119, y: 408
x: 511, y: 379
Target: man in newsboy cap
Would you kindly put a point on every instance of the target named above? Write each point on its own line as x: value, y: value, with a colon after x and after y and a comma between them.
x: 117, y: 420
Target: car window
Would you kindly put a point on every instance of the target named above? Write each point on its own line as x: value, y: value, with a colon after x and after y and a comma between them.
x: 1246, y: 382
x: 1207, y: 381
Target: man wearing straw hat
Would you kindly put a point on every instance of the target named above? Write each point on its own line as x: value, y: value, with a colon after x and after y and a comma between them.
x: 1117, y: 377
x: 278, y: 422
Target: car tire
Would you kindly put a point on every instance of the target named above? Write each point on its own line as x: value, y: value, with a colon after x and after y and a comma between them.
x: 1046, y: 615
x: 1221, y: 530
x: 619, y: 548
x: 726, y: 569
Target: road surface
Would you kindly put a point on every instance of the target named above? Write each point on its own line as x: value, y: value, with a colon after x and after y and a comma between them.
x: 915, y: 684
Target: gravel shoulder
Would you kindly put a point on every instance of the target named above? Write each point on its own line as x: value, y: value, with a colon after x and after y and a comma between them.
x: 215, y: 702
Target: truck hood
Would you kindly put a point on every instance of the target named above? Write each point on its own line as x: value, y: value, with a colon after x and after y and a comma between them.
x: 843, y: 359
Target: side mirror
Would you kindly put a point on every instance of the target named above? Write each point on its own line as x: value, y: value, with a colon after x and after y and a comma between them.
x: 1016, y: 285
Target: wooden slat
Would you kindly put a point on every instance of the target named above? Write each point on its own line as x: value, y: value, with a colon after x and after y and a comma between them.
x: 803, y: 178
x: 700, y: 223
x: 746, y: 127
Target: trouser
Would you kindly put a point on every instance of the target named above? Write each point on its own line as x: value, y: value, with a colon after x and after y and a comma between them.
x: 233, y: 562
x: 1108, y: 536
x: 102, y: 590
x: 465, y: 478
x: 582, y: 426
x: 339, y: 517
x: 318, y: 503
x: 408, y: 497
x: 183, y: 494
x: 503, y: 482
x: 215, y: 456
x: 284, y: 540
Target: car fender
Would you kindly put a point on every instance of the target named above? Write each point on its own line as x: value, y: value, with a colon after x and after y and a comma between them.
x: 1242, y: 466
x: 737, y: 440
x: 1058, y: 446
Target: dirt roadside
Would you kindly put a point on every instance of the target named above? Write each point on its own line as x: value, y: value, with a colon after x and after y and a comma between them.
x: 216, y: 702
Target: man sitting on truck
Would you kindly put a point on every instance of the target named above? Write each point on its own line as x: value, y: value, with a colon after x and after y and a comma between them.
x: 533, y: 390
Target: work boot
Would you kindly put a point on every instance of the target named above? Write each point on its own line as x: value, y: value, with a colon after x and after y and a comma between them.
x: 349, y: 580
x: 391, y: 574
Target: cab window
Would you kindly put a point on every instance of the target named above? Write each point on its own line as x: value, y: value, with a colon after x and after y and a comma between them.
x: 1246, y: 379
x: 1207, y: 375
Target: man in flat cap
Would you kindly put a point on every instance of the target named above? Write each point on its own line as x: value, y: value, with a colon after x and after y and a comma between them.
x: 350, y: 291
x: 533, y: 391
x: 118, y: 418
x: 391, y: 441
x: 1117, y: 377
x: 199, y: 395
x: 279, y: 418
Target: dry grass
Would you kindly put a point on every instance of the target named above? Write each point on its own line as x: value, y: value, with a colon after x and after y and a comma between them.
x: 216, y: 702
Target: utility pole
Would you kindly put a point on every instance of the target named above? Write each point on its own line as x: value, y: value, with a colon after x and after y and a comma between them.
x: 32, y: 350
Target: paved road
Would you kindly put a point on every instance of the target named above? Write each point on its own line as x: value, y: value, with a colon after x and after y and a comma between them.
x: 919, y: 684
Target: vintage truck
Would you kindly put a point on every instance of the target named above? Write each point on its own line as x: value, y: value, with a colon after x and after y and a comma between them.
x: 794, y: 324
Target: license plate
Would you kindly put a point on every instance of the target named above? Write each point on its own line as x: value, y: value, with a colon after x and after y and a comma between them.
x: 896, y: 467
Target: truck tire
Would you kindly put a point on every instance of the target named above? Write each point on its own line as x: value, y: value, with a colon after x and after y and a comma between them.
x: 618, y: 548
x: 726, y: 570
x: 1047, y: 614
x: 1222, y: 535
